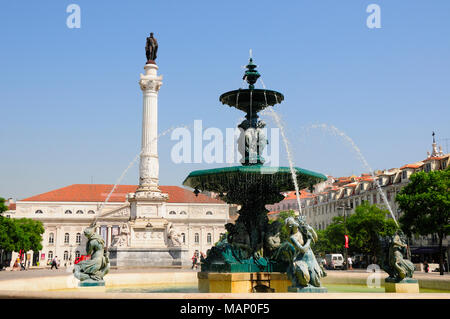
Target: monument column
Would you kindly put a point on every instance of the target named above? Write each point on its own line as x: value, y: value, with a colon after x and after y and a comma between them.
x: 150, y: 83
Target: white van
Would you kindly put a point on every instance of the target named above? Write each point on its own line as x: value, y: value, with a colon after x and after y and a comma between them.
x: 334, y: 261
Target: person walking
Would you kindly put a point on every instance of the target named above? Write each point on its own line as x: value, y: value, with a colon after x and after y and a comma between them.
x: 194, y: 261
x: 426, y: 266
x: 349, y: 263
x: 54, y: 262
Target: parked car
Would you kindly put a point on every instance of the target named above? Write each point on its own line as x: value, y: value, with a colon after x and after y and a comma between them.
x: 82, y: 257
x: 334, y: 261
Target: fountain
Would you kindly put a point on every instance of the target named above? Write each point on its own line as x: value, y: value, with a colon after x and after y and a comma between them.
x: 246, y: 252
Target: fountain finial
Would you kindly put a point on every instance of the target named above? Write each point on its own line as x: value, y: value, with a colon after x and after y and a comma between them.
x: 251, y: 75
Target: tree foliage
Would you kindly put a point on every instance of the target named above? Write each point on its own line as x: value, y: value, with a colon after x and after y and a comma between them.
x: 3, y: 207
x: 363, y: 229
x: 425, y: 203
x: 366, y: 225
x: 19, y: 234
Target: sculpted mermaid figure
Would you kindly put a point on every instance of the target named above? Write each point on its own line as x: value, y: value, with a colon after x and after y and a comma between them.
x: 94, y: 269
x: 304, y: 271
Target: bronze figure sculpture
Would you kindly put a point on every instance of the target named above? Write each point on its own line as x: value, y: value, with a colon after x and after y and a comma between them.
x: 151, y: 48
x: 91, y: 272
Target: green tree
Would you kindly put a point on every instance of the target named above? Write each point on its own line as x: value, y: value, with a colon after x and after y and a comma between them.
x: 334, y: 235
x: 7, y: 234
x: 3, y: 207
x: 366, y: 225
x: 425, y: 203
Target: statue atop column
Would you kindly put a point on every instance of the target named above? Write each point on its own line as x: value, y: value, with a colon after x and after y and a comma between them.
x: 151, y: 47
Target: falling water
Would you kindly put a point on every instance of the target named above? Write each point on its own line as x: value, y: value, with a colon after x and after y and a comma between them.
x: 336, y: 131
x: 277, y: 119
x: 131, y: 165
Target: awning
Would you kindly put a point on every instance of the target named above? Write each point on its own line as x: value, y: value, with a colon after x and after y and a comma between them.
x: 425, y: 250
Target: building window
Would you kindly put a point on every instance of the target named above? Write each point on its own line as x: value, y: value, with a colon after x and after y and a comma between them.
x: 183, y: 212
x: 66, y: 238
x: 444, y: 164
x: 66, y: 255
x: 78, y: 238
x: 38, y: 211
x: 404, y: 175
x: 172, y: 213
x: 51, y: 238
x: 183, y: 236
x: 209, y: 213
x: 50, y: 255
x: 77, y: 254
x: 79, y: 211
x: 427, y: 167
x: 91, y: 212
x: 68, y: 211
x: 196, y: 238
x: 374, y: 198
x: 209, y: 238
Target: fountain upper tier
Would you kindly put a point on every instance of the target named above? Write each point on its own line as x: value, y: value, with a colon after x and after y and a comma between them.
x: 251, y: 100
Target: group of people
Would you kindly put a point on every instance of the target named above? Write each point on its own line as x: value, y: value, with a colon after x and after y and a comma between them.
x: 196, y: 259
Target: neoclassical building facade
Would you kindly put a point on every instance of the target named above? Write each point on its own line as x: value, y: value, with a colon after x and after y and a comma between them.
x: 66, y: 212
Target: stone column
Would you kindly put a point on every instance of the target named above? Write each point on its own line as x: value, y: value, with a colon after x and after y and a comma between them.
x: 108, y: 237
x: 150, y: 83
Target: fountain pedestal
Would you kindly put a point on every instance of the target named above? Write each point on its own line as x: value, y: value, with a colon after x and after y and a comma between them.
x: 407, y: 285
x: 244, y: 282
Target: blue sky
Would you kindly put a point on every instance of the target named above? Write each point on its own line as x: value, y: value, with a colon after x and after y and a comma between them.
x: 71, y: 104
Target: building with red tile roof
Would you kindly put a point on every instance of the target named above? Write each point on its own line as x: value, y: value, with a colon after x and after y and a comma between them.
x: 67, y: 211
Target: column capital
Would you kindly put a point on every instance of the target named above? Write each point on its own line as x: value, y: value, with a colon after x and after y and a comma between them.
x: 150, y: 81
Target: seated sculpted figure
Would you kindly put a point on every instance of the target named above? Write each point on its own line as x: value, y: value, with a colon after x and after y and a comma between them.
x: 94, y: 269
x: 303, y: 270
x: 403, y: 268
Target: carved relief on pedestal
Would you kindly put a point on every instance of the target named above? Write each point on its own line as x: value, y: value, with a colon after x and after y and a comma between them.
x: 123, y: 239
x: 174, y: 238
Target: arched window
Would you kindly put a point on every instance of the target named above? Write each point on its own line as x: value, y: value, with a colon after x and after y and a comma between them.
x: 183, y: 235
x: 91, y: 212
x: 66, y: 255
x: 197, y: 238
x: 78, y: 238
x: 209, y: 212
x: 172, y: 213
x: 183, y: 212
x: 77, y: 254
x: 51, y: 238
x: 38, y: 211
x: 68, y: 211
x: 66, y: 238
x: 79, y: 211
x: 209, y: 238
x: 50, y: 255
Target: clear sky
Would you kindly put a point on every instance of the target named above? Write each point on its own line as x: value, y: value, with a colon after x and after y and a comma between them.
x: 71, y: 105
